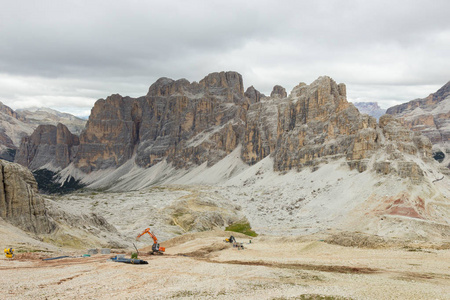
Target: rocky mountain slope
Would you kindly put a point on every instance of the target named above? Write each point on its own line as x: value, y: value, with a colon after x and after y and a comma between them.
x: 431, y: 117
x: 34, y: 217
x: 370, y: 108
x: 15, y: 125
x: 13, y: 128
x: 47, y: 116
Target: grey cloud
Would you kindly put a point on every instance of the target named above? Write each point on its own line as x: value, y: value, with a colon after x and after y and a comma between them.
x: 91, y: 49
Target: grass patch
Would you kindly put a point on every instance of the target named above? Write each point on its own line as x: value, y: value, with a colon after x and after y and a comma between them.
x: 194, y: 294
x: 31, y: 251
x: 242, y: 228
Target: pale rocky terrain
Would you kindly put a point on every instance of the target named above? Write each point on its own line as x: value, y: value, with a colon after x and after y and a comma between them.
x: 202, y: 266
x: 309, y: 243
x: 323, y: 231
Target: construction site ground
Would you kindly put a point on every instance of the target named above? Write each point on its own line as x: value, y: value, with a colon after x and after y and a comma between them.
x: 203, y: 266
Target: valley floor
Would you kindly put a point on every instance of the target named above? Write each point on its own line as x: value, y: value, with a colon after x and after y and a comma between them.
x: 203, y: 266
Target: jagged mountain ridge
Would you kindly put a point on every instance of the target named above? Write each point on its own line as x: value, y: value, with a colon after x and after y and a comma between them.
x: 13, y: 128
x: 429, y: 116
x: 47, y: 116
x: 52, y: 144
x: 16, y: 125
x: 188, y: 124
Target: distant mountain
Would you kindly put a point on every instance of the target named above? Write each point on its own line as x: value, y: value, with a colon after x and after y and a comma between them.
x: 370, y: 108
x: 15, y: 125
x: 48, y: 116
x: 13, y: 128
x: 431, y: 117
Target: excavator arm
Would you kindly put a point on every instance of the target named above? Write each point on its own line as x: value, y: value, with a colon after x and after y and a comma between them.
x: 155, y: 240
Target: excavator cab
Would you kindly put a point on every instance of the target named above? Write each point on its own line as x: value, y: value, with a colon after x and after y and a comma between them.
x: 156, y: 249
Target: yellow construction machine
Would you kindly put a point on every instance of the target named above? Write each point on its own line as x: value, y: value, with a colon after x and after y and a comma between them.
x: 9, y: 252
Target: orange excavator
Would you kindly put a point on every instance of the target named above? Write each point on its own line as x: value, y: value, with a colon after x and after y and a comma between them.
x: 156, y: 249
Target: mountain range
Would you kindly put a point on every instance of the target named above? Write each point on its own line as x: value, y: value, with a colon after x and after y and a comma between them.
x: 282, y: 161
x: 15, y: 125
x: 187, y: 124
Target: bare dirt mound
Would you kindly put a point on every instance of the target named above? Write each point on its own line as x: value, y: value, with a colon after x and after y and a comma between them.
x: 359, y: 240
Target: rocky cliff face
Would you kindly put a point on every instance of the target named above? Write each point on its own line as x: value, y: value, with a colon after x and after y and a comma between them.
x: 20, y: 202
x: 317, y: 122
x: 429, y: 116
x: 188, y: 124
x: 10, y: 112
x: 49, y: 145
x: 182, y: 122
x: 111, y: 133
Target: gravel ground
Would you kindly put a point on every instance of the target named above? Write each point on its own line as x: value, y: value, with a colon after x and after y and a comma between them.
x: 202, y: 266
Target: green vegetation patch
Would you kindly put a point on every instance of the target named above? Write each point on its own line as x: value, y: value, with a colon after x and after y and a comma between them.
x: 243, y: 227
x: 48, y: 184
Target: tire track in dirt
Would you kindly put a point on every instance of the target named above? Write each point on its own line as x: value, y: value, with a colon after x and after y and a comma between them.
x: 311, y: 267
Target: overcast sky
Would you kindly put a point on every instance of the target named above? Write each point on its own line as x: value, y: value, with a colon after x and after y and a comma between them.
x: 67, y: 54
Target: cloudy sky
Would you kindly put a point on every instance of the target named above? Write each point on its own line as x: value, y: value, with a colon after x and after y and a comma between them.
x: 67, y: 54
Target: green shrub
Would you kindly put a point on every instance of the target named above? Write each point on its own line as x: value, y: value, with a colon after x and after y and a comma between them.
x: 242, y: 228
